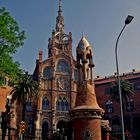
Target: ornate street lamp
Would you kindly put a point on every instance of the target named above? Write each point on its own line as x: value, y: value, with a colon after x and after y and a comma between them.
x: 127, y: 21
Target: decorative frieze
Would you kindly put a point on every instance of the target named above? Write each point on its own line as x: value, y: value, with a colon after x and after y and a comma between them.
x: 94, y: 113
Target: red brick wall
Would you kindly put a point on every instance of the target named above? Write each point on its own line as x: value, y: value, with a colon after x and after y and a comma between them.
x: 4, y: 92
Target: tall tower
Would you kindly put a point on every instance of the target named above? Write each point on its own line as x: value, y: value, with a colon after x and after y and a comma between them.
x: 57, y: 83
x: 60, y: 42
x: 86, y: 114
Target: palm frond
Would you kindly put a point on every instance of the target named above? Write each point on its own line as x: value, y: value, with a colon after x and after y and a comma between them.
x: 127, y: 90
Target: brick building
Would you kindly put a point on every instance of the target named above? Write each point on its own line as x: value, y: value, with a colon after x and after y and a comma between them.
x: 112, y: 109
x: 57, y: 77
x: 4, y: 92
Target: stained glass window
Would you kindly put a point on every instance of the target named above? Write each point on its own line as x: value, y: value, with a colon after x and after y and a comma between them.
x: 45, y: 104
x: 62, y: 104
x: 63, y: 66
x: 47, y: 73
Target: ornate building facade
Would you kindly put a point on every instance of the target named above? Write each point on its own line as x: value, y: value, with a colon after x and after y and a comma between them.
x: 57, y: 76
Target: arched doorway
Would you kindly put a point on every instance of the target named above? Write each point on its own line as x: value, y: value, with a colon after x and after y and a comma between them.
x: 116, y: 127
x: 136, y: 127
x: 45, y: 130
x: 64, y: 129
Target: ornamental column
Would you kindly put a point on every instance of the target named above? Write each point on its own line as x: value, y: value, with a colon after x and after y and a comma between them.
x: 86, y: 115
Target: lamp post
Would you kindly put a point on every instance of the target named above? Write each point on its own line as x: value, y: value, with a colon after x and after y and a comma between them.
x: 127, y: 21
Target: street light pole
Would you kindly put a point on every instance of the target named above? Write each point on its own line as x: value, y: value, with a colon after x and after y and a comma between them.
x: 127, y: 21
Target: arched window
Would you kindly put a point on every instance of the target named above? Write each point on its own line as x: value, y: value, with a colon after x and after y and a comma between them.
x: 62, y: 104
x: 63, y: 66
x: 66, y: 105
x: 58, y: 104
x: 45, y: 130
x: 47, y: 73
x: 29, y: 106
x: 45, y: 104
x: 116, y: 124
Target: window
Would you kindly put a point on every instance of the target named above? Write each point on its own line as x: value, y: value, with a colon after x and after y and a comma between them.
x: 62, y: 104
x: 66, y: 105
x: 31, y: 126
x: 29, y: 106
x: 130, y: 105
x: 107, y: 91
x: 47, y: 73
x: 63, y: 66
x: 137, y: 86
x: 116, y: 124
x: 45, y: 104
x: 58, y: 106
x: 109, y: 106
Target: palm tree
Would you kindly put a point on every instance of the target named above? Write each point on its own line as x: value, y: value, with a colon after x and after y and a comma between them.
x: 127, y: 91
x: 24, y: 89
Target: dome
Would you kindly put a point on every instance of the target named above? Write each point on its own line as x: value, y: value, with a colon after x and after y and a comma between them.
x: 83, y: 44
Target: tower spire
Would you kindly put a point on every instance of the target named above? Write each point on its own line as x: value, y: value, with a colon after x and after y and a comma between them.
x: 60, y: 8
x: 60, y: 19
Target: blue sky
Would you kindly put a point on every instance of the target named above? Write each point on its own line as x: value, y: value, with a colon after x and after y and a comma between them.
x: 99, y: 20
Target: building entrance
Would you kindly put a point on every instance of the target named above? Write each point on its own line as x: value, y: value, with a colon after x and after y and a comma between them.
x: 65, y: 130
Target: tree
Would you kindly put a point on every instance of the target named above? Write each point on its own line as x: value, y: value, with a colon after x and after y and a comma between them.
x: 11, y: 38
x: 126, y: 90
x: 24, y: 89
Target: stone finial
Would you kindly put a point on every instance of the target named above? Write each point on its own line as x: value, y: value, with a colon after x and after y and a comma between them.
x: 40, y: 55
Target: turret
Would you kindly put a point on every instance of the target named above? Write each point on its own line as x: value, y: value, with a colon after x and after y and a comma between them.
x: 60, y: 20
x: 84, y: 59
x: 86, y: 114
x: 60, y: 42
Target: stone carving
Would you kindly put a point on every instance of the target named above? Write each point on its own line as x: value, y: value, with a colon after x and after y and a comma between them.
x: 87, y: 134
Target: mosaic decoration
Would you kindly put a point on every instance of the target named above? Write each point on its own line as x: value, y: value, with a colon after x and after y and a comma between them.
x: 87, y: 134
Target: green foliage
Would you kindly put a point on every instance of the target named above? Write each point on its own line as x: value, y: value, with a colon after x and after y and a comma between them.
x: 24, y: 88
x: 11, y: 38
x: 127, y: 90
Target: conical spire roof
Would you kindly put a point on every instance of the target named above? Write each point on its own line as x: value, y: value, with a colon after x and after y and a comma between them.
x: 86, y: 97
x: 83, y: 44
